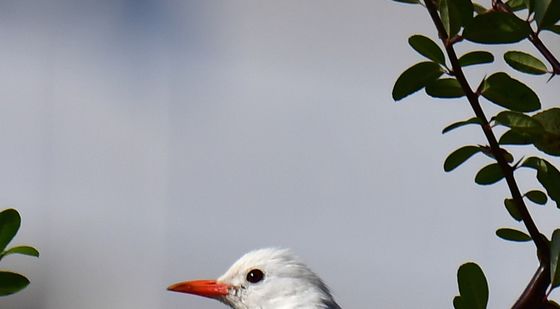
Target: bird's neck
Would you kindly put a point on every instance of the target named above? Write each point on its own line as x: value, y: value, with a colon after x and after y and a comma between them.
x: 311, y: 299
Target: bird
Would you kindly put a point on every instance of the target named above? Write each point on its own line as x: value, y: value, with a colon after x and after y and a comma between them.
x: 268, y: 278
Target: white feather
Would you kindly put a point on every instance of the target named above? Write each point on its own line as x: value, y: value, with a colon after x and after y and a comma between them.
x: 288, y: 283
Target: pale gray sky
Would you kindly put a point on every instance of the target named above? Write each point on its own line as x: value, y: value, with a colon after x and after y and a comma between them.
x: 147, y: 142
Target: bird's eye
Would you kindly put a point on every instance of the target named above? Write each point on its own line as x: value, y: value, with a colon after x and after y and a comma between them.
x: 255, y: 276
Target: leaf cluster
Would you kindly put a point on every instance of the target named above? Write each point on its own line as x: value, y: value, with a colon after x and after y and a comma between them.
x: 473, y: 288
x: 11, y: 282
x: 526, y: 124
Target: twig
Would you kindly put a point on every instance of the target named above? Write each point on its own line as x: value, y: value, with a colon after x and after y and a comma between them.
x: 498, y: 5
x: 533, y: 294
x: 545, y: 52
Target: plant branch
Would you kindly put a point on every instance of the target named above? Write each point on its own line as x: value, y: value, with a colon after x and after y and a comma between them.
x: 547, y: 54
x: 498, y: 154
x: 533, y: 293
x: 498, y: 5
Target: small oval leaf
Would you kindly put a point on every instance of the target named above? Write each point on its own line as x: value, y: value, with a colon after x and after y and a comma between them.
x: 525, y: 63
x: 459, y: 156
x: 11, y: 283
x: 476, y: 57
x: 552, y: 304
x: 553, y: 28
x: 450, y: 16
x: 549, y: 140
x: 416, y: 78
x: 510, y: 93
x: 516, y: 5
x: 455, y: 14
x: 459, y: 303
x: 445, y: 88
x: 466, y: 11
x: 550, y: 120
x: 511, y: 137
x: 512, y: 235
x: 9, y: 225
x: 489, y: 174
x: 508, y: 156
x: 496, y: 28
x: 537, y: 197
x: 427, y: 48
x: 547, y: 175
x: 459, y: 124
x: 554, y: 258
x: 473, y: 286
x: 512, y: 209
x: 25, y: 250
x: 547, y: 12
x: 520, y: 122
x: 530, y: 4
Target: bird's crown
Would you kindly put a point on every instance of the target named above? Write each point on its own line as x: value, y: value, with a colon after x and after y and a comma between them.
x: 275, y: 278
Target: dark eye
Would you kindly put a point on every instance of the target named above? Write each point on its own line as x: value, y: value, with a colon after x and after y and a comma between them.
x: 255, y: 276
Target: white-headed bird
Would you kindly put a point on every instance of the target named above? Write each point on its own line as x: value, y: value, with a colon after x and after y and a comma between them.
x: 265, y: 279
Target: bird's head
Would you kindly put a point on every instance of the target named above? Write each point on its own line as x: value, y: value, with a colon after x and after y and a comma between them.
x: 265, y: 279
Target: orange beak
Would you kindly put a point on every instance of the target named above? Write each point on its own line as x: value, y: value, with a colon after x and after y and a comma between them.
x: 206, y: 288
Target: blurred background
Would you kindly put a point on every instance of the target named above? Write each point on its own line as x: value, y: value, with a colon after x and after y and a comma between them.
x: 146, y: 142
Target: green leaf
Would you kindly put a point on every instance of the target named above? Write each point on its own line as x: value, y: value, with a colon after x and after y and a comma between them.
x: 459, y: 156
x: 473, y: 286
x: 550, y: 120
x: 508, y: 156
x: 9, y: 225
x: 408, y: 1
x: 547, y: 175
x: 552, y: 304
x: 455, y: 14
x: 554, y: 258
x: 524, y: 129
x: 458, y: 124
x: 466, y: 11
x: 489, y: 174
x: 512, y: 235
x: 547, y: 12
x: 519, y: 122
x: 496, y: 28
x: 553, y: 28
x: 25, y: 250
x: 445, y: 88
x: 476, y: 57
x: 525, y: 63
x: 537, y: 197
x: 427, y: 48
x: 488, y: 152
x: 549, y: 140
x: 512, y: 209
x: 530, y: 4
x: 460, y: 303
x: 511, y: 137
x: 510, y: 93
x: 516, y: 5
x: 11, y: 283
x: 416, y: 78
x: 450, y: 17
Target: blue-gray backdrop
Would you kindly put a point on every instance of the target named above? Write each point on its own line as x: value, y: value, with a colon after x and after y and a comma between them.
x: 147, y: 141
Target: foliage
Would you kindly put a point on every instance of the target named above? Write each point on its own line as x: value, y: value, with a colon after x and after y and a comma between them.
x: 442, y: 76
x: 11, y: 282
x: 473, y: 288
